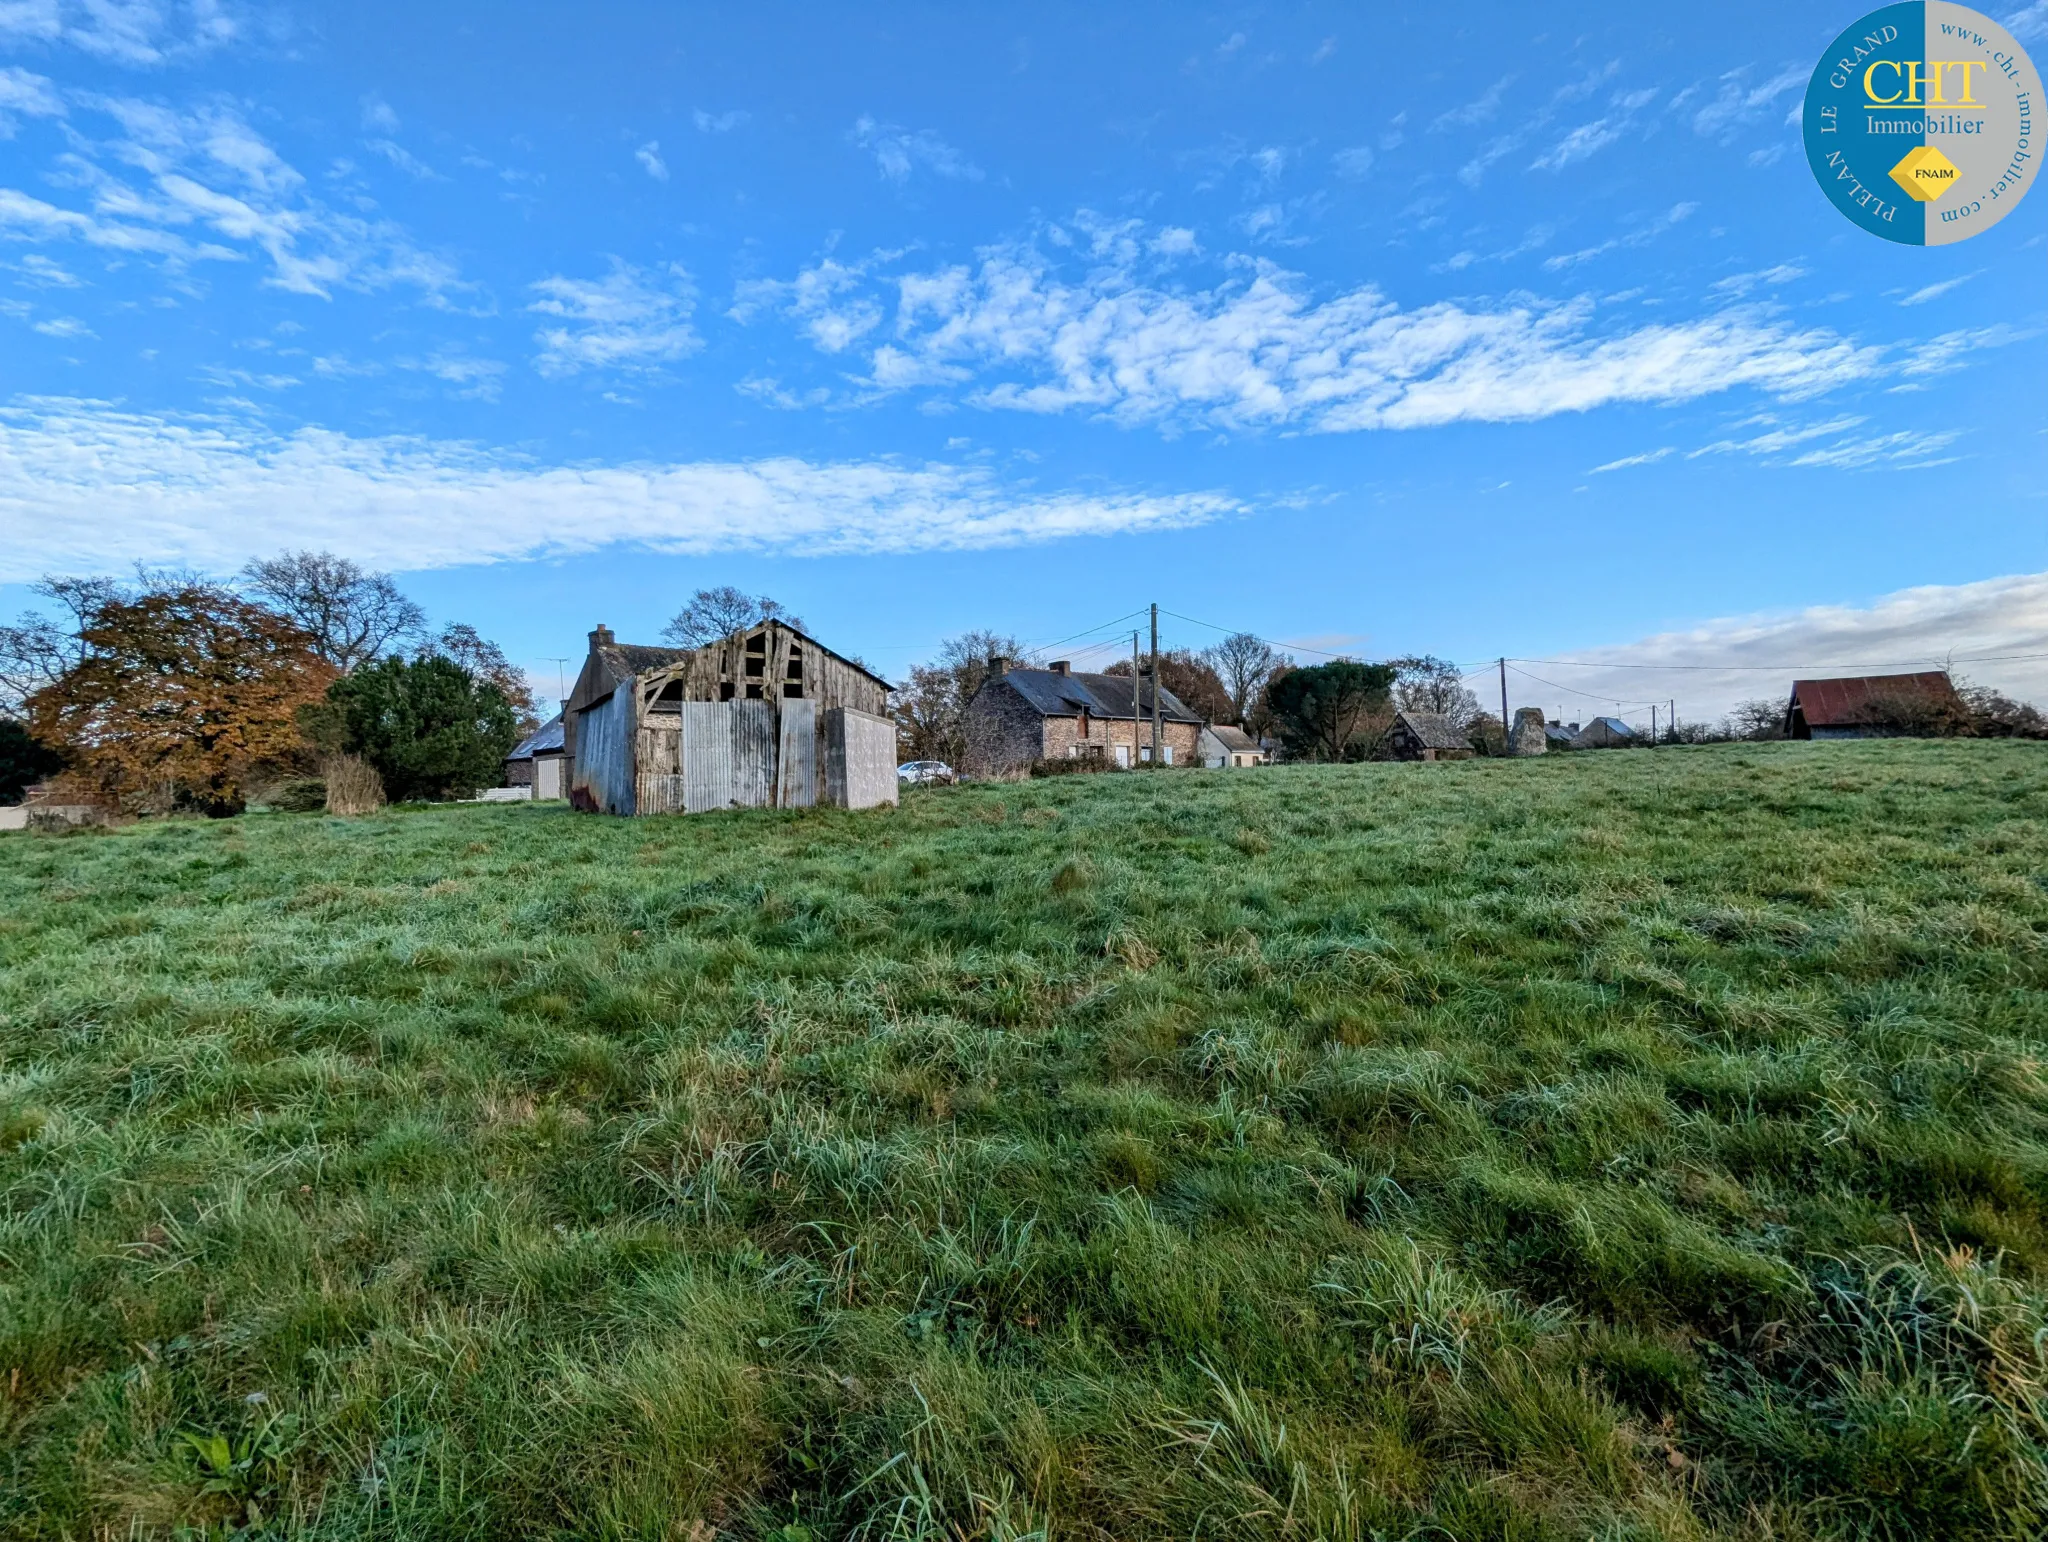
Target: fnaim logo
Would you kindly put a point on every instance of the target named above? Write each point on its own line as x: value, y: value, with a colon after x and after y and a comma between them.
x: 1920, y: 123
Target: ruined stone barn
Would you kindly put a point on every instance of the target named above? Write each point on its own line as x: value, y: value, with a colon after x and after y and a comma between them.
x: 764, y: 718
x: 1021, y: 716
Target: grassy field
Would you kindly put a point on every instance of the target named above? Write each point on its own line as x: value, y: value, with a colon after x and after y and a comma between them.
x: 1623, y: 1145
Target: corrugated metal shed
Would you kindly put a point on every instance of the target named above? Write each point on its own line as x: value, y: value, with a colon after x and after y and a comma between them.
x: 1848, y: 702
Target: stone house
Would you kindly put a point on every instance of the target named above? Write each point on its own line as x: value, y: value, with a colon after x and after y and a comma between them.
x: 1426, y: 736
x: 1021, y: 716
x: 1605, y: 733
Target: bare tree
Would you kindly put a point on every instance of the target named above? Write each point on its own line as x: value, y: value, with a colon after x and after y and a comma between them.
x: 1244, y: 664
x: 715, y: 613
x: 486, y: 661
x: 1425, y: 683
x: 352, y: 615
x: 1191, y: 679
x: 1761, y: 718
x: 38, y: 649
x: 931, y: 706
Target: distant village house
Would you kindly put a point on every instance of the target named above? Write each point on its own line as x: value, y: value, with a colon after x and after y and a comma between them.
x: 1021, y: 716
x: 764, y: 718
x: 1420, y: 735
x: 1221, y: 745
x: 538, y: 761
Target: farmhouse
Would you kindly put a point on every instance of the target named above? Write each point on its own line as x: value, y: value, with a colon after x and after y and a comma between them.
x: 764, y: 718
x: 1868, y: 706
x: 537, y: 761
x: 1426, y: 736
x: 1222, y: 745
x: 1024, y: 715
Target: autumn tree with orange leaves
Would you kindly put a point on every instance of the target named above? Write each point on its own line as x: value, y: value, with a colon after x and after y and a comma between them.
x: 176, y: 695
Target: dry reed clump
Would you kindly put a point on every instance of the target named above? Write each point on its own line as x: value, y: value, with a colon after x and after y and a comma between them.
x: 353, y: 786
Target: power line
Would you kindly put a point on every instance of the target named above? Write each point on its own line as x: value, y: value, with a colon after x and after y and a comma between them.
x: 1778, y: 669
x: 1571, y: 691
x: 1268, y: 641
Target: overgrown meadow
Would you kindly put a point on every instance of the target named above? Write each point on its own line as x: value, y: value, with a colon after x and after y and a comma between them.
x: 1631, y: 1145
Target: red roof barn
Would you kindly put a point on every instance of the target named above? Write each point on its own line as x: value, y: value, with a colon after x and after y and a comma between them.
x: 1869, y: 706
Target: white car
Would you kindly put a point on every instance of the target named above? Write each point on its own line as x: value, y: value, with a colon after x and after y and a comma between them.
x: 922, y: 772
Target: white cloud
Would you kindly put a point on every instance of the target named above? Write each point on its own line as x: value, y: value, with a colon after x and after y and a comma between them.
x: 1737, y: 285
x: 64, y: 327
x: 1641, y: 235
x: 1354, y: 162
x: 33, y: 96
x: 1776, y: 437
x: 39, y: 272
x: 718, y: 123
x: 1935, y: 291
x: 814, y: 299
x: 1647, y: 458
x: 1906, y: 450
x: 899, y: 151
x: 1260, y: 350
x: 1945, y: 354
x: 378, y: 117
x: 1736, y: 104
x: 1479, y: 110
x: 2030, y: 21
x: 1761, y: 655
x: 649, y: 156
x: 631, y: 319
x: 131, y: 32
x: 1174, y: 241
x: 89, y: 488
x: 170, y: 172
x: 404, y: 160
x: 1588, y: 139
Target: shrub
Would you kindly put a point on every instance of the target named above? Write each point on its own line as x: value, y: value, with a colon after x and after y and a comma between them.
x: 352, y: 786
x: 432, y: 730
x: 300, y: 795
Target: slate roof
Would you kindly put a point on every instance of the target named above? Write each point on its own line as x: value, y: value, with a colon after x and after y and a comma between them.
x: 1434, y: 730
x: 1613, y: 725
x: 1846, y: 702
x: 1108, y: 696
x: 544, y: 740
x: 1236, y: 740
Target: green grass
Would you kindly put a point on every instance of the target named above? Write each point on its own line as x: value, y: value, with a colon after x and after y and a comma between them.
x: 1615, y: 1145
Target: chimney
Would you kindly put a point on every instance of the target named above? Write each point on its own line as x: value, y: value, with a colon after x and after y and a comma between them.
x: 1061, y: 666
x: 602, y: 638
x: 998, y: 666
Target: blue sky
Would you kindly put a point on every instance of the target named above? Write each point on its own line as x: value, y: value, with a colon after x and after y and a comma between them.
x: 1463, y: 329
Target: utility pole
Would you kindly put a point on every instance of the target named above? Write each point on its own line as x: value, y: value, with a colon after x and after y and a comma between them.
x: 1653, y: 725
x: 1137, y: 710
x: 1674, y: 721
x: 1507, y: 743
x: 1155, y: 682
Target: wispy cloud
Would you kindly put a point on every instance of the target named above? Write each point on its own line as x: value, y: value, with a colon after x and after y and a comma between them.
x: 403, y: 159
x: 26, y: 94
x: 1737, y: 103
x: 1588, y: 139
x: 1641, y: 235
x: 1935, y: 291
x: 1262, y: 351
x: 2029, y: 21
x: 825, y: 299
x: 632, y: 319
x: 900, y: 151
x: 1481, y: 109
x: 1945, y: 354
x: 1738, y: 285
x: 1647, y: 458
x: 129, y: 32
x: 98, y: 489
x: 719, y: 122
x: 378, y: 115
x: 167, y: 175
x: 649, y: 157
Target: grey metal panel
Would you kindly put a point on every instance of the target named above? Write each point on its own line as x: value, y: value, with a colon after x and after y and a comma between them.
x: 604, y: 753
x: 860, y: 759
x: 728, y: 755
x: 796, y: 759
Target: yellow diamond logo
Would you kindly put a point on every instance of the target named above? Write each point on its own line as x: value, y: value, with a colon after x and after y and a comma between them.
x: 1925, y: 173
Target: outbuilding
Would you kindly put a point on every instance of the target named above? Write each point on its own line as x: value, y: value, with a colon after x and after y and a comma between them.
x: 764, y: 718
x: 1605, y: 733
x: 538, y: 761
x: 1222, y: 745
x: 1870, y: 706
x: 1418, y: 735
